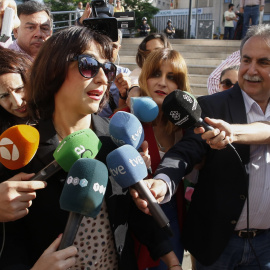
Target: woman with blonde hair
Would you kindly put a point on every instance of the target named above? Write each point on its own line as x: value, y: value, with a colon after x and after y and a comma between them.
x: 164, y: 71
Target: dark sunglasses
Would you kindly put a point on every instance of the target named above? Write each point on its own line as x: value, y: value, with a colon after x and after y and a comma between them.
x: 227, y: 83
x: 89, y: 67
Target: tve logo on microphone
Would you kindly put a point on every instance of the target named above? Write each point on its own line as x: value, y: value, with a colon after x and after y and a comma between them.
x: 8, y: 150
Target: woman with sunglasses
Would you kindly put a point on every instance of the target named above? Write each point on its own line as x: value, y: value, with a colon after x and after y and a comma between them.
x: 69, y: 83
x: 228, y: 78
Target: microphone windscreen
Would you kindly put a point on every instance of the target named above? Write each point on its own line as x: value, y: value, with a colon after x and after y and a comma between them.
x: 182, y: 109
x: 126, y: 166
x: 18, y: 145
x: 144, y: 108
x: 85, y: 187
x: 125, y: 128
x: 79, y: 144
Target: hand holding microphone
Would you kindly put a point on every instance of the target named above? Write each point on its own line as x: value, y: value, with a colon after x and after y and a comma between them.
x: 16, y: 195
x: 82, y: 195
x: 220, y: 136
x: 128, y: 170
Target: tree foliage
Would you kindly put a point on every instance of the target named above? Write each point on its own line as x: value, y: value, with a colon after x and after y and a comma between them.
x: 141, y: 9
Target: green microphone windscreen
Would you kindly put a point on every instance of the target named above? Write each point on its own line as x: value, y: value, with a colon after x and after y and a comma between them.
x: 79, y: 144
x: 85, y: 187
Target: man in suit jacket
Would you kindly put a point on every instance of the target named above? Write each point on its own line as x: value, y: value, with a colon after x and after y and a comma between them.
x: 229, y: 216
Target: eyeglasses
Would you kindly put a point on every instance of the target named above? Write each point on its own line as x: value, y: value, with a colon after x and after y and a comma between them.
x: 227, y: 83
x: 89, y: 67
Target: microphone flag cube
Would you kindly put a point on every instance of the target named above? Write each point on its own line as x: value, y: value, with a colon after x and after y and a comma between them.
x: 79, y: 144
x: 18, y: 145
x: 85, y: 187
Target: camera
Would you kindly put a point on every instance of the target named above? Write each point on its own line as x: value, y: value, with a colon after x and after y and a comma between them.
x: 102, y: 20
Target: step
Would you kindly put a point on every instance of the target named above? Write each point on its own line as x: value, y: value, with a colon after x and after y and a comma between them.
x: 188, y: 48
x: 198, y: 79
x: 208, y: 42
x: 201, y: 69
x: 125, y: 59
x: 195, y: 55
x: 199, y: 90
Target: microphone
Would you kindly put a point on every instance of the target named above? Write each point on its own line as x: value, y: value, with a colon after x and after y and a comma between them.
x: 82, y: 195
x: 79, y: 144
x: 144, y: 108
x: 183, y: 110
x: 125, y: 128
x: 18, y: 145
x: 127, y: 168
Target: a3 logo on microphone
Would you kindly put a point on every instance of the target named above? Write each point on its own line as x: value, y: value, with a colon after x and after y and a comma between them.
x: 191, y: 100
x: 8, y: 150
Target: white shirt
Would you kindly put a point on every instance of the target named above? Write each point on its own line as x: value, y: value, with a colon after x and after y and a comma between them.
x: 229, y: 14
x: 259, y: 174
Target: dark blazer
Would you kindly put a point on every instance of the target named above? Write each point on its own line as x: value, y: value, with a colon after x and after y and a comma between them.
x: 221, y: 191
x: 27, y: 238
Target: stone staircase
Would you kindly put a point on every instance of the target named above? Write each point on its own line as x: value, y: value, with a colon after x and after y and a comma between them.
x: 202, y: 57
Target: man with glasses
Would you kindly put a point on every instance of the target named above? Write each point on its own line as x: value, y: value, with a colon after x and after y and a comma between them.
x: 34, y: 30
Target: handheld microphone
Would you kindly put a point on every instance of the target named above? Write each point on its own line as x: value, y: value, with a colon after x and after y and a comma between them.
x: 127, y: 168
x: 79, y: 144
x: 183, y: 110
x: 82, y: 195
x: 125, y: 128
x: 18, y: 145
x: 144, y: 108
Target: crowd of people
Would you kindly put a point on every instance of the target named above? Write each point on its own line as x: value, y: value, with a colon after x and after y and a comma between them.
x: 68, y: 81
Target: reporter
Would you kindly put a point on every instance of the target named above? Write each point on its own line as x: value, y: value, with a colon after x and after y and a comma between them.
x: 13, y: 77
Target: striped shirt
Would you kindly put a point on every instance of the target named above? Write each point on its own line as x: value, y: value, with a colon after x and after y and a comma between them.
x: 259, y: 174
x: 244, y: 3
x: 214, y: 78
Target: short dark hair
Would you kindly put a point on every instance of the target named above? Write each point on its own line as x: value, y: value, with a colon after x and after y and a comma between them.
x: 142, y: 52
x: 12, y: 62
x: 50, y: 67
x: 231, y: 5
x: 31, y: 7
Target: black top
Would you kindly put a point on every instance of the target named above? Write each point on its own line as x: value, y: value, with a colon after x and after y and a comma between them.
x: 27, y: 238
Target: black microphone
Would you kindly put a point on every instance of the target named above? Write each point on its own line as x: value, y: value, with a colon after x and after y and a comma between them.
x: 82, y: 195
x: 183, y: 110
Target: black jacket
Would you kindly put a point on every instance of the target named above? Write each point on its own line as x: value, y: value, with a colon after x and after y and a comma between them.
x: 221, y: 191
x: 27, y: 238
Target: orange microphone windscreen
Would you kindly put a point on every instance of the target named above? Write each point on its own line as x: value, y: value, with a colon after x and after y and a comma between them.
x: 18, y: 145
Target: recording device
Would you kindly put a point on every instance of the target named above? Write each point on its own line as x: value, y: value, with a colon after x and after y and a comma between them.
x: 7, y: 24
x: 82, y: 195
x: 79, y: 144
x: 127, y: 168
x: 125, y: 20
x: 144, y: 108
x: 125, y: 128
x: 18, y: 145
x: 102, y: 20
x: 183, y: 110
